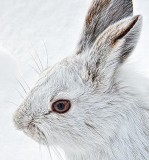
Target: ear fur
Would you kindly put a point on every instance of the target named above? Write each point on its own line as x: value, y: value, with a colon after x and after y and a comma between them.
x: 102, y: 14
x: 111, y: 48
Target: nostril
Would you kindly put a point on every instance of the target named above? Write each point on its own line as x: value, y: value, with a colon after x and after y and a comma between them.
x: 21, y: 120
x: 33, y: 125
x: 17, y: 120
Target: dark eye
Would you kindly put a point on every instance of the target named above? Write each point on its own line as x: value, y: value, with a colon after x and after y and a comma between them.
x: 61, y: 106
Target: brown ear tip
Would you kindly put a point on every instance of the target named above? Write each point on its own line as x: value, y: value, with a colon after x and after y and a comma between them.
x: 133, y: 21
x: 138, y: 18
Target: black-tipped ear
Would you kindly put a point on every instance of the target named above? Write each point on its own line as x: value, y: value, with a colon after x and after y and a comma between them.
x: 111, y: 48
x: 102, y: 14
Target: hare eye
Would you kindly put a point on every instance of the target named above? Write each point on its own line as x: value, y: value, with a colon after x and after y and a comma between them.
x: 61, y: 106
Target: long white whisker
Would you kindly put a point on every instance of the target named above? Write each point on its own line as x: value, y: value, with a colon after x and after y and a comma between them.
x: 34, y: 69
x: 36, y: 63
x: 46, y: 53
x: 49, y: 152
x: 46, y: 142
x: 46, y: 133
x: 25, y: 82
x: 20, y: 93
x: 22, y: 86
x: 57, y: 153
x: 40, y: 150
x: 38, y: 57
x: 12, y: 103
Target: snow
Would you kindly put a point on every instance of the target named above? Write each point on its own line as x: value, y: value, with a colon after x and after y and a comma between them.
x: 41, y: 26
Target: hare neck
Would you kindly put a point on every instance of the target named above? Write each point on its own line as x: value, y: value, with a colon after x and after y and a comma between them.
x: 122, y: 150
x: 129, y: 144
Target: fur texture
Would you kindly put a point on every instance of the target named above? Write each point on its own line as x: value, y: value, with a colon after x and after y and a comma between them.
x: 109, y: 118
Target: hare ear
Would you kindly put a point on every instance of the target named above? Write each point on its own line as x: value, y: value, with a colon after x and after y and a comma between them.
x: 102, y: 14
x: 110, y: 50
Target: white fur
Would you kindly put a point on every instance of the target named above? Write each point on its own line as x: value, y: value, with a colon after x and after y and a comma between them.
x: 109, y: 117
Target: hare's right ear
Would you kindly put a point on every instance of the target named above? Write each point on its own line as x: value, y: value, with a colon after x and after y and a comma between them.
x: 110, y: 51
x: 102, y: 14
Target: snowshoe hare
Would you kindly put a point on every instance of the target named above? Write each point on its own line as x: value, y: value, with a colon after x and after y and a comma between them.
x: 82, y: 104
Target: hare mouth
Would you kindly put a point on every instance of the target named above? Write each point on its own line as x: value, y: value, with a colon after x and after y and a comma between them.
x: 34, y: 132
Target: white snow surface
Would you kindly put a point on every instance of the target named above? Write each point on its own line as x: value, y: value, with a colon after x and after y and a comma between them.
x: 31, y: 27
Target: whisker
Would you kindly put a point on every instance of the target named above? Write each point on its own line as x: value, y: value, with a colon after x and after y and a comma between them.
x: 57, y: 153
x: 34, y: 69
x: 38, y: 57
x: 36, y: 63
x: 46, y: 142
x: 49, y: 152
x: 25, y: 82
x: 54, y: 149
x: 12, y: 103
x: 20, y: 93
x: 47, y: 145
x: 22, y: 86
x: 46, y: 53
x: 40, y: 150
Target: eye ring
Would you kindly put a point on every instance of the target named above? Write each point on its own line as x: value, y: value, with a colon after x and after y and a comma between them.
x: 61, y: 106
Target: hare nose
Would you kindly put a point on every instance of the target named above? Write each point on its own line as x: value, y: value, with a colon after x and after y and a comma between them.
x: 21, y: 120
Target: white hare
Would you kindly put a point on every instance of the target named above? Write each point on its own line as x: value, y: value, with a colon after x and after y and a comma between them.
x: 82, y: 104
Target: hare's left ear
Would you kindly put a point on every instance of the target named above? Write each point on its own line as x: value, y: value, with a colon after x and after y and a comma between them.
x: 102, y: 14
x: 111, y: 49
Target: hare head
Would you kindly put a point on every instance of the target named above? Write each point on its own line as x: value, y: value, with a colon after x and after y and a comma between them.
x: 78, y: 104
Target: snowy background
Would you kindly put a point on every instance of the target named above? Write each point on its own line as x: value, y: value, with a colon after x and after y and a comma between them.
x: 32, y: 28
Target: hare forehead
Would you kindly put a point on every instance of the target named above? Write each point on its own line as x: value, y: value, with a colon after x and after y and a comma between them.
x: 59, y: 79
x: 62, y: 76
x: 65, y: 71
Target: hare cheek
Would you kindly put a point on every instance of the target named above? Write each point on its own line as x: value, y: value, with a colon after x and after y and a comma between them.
x: 35, y: 133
